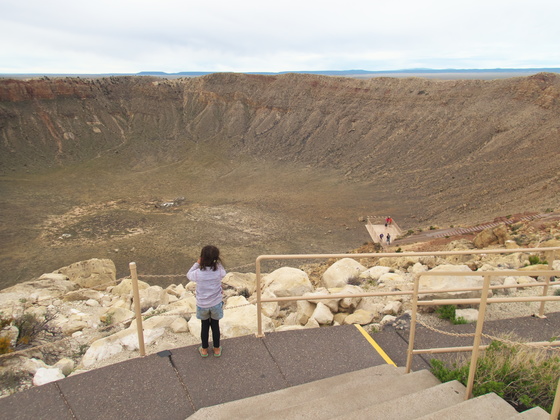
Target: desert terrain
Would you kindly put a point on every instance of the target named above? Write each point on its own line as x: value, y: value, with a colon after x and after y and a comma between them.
x: 149, y: 170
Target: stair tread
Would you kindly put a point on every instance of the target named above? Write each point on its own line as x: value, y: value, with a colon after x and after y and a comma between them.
x: 353, y: 397
x: 535, y: 413
x: 488, y: 406
x: 363, y: 380
x: 413, y: 405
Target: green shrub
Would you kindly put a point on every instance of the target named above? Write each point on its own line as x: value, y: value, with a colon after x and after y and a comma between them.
x: 534, y: 259
x: 448, y: 312
x: 556, y: 292
x: 525, y: 377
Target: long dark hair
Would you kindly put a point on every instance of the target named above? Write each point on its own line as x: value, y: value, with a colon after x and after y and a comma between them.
x: 210, y: 257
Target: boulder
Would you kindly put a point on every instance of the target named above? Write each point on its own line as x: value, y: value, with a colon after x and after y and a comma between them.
x: 46, y: 375
x: 152, y: 297
x: 370, y: 305
x: 304, y: 311
x: 117, y: 315
x: 240, y: 281
x: 48, y: 288
x: 239, y: 321
x: 331, y: 303
x: 322, y: 314
x: 83, y: 294
x: 491, y: 236
x: 179, y: 325
x: 32, y: 365
x: 374, y: 273
x: 349, y: 304
x: 359, y: 317
x: 124, y: 288
x: 392, y: 308
x: 270, y: 309
x: 286, y: 282
x: 470, y: 315
x: 91, y: 273
x: 434, y: 284
x: 65, y: 365
x: 338, y: 274
x: 185, y: 307
x: 551, y: 243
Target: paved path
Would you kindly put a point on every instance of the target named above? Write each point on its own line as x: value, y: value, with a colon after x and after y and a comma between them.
x: 174, y: 384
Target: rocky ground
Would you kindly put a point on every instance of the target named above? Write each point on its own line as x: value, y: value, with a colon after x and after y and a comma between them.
x: 78, y: 306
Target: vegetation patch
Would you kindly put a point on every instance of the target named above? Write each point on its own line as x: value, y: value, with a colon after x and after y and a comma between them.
x: 525, y: 377
x: 449, y: 312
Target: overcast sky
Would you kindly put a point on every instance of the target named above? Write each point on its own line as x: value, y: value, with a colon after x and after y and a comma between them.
x: 129, y: 36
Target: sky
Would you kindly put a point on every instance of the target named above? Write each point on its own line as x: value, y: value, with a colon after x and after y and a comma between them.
x: 130, y: 36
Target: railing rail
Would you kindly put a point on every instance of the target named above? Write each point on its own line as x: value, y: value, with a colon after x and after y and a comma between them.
x: 482, y: 301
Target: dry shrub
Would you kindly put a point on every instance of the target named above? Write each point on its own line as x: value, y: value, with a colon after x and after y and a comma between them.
x: 524, y: 376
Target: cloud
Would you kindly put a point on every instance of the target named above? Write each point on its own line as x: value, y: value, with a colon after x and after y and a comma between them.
x: 185, y: 35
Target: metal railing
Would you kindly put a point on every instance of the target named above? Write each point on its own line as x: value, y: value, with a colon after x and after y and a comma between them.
x: 483, y: 301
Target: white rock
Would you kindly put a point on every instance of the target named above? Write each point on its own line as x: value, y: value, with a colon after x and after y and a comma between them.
x: 392, y: 308
x: 130, y: 341
x: 350, y: 303
x: 331, y: 303
x: 417, y: 268
x: 270, y: 309
x: 369, y: 304
x: 153, y: 297
x: 322, y: 314
x: 92, y: 302
x: 312, y: 323
x: 375, y: 272
x: 124, y: 288
x: 391, y: 278
x: 469, y: 315
x: 359, y: 317
x: 437, y: 283
x: 304, y: 311
x: 338, y: 274
x: 32, y: 365
x: 118, y: 315
x: 287, y: 281
x: 240, y: 281
x: 91, y: 273
x: 179, y: 325
x: 509, y: 281
x: 46, y: 375
x: 65, y: 365
x: 388, y: 319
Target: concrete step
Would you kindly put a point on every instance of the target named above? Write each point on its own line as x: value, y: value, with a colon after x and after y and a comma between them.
x: 355, y: 395
x: 535, y: 413
x: 488, y: 406
x: 412, y: 406
x: 369, y: 379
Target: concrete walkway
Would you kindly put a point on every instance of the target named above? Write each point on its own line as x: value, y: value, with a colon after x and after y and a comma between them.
x: 176, y: 383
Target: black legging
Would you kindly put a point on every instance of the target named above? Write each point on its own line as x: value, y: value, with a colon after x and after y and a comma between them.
x: 206, y: 325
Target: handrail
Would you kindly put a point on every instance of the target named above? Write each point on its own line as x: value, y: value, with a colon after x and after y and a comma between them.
x: 482, y: 301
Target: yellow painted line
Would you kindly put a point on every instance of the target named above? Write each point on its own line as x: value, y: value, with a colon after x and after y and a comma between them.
x: 375, y: 345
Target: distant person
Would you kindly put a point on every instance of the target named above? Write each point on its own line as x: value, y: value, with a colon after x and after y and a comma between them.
x: 390, y: 220
x: 386, y: 221
x: 208, y: 273
x: 381, y: 237
x: 388, y: 239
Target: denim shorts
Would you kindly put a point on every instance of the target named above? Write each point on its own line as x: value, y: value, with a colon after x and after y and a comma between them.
x: 215, y: 312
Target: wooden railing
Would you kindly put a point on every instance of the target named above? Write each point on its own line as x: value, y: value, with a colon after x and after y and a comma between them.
x: 482, y: 301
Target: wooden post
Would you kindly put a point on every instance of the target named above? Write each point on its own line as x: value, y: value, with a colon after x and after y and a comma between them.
x: 478, y: 336
x: 137, y: 309
x: 550, y: 258
x: 259, y: 297
x: 412, y: 324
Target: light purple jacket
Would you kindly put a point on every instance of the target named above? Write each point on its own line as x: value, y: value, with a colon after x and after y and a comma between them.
x: 208, y: 284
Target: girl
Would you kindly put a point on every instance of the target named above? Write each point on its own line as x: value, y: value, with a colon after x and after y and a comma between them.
x: 208, y: 273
